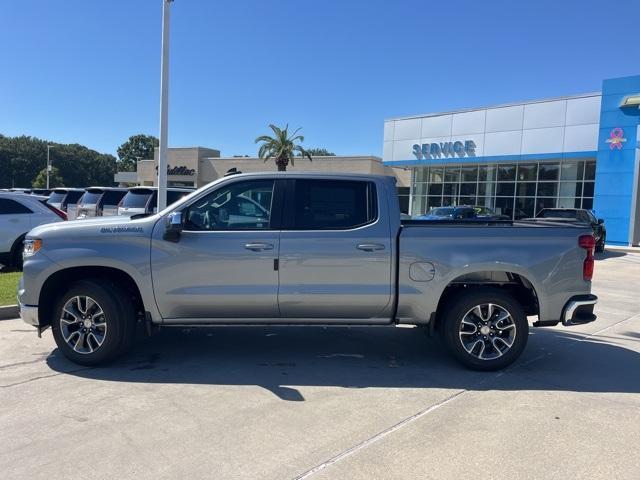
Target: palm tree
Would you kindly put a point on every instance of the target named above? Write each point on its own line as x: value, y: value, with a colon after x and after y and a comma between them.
x: 281, y: 146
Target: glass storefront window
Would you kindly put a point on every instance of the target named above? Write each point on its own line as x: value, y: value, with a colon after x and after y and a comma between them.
x: 487, y: 173
x: 504, y: 206
x: 468, y: 189
x: 521, y: 189
x: 568, y: 203
x: 506, y: 172
x: 588, y: 189
x: 435, y: 189
x: 526, y: 189
x: 544, y: 203
x: 436, y: 174
x: 418, y: 205
x: 421, y: 175
x: 420, y: 189
x: 527, y: 172
x: 572, y: 171
x: 433, y: 202
x: 469, y: 174
x: 451, y: 189
x: 525, y: 208
x: 570, y: 189
x: 505, y: 189
x: 547, y: 189
x: 590, y: 170
x: 452, y: 174
x: 549, y: 171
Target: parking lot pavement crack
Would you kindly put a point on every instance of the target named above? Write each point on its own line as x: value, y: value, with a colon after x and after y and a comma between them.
x: 41, y: 377
x: 380, y: 435
x: 384, y: 433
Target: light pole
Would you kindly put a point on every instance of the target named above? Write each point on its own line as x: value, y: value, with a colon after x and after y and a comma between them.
x: 49, y: 147
x: 164, y: 107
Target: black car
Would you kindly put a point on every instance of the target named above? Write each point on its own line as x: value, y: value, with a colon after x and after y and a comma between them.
x: 578, y: 215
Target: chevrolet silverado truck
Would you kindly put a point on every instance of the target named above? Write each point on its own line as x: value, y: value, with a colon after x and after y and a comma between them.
x: 304, y: 249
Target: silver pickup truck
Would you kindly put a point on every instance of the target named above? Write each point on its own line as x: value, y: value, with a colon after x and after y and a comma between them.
x: 294, y: 248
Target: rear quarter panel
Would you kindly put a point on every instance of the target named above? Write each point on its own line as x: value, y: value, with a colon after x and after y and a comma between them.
x: 548, y: 257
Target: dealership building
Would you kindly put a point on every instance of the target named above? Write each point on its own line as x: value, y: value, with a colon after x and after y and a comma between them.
x: 579, y: 151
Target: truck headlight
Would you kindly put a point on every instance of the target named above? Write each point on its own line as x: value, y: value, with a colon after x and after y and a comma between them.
x: 31, y: 246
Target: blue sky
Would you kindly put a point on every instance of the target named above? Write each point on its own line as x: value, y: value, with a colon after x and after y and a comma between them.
x: 87, y: 71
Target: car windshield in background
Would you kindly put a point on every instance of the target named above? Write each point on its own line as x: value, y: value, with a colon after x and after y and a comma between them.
x: 558, y: 214
x: 56, y: 197
x: 483, y: 211
x: 442, y: 212
x: 91, y: 198
x: 136, y: 199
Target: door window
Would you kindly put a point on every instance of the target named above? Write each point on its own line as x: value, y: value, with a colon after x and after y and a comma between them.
x: 11, y: 207
x: 239, y: 206
x: 333, y: 204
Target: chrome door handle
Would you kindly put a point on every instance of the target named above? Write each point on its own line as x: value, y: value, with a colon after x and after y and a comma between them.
x: 370, y: 247
x: 257, y: 247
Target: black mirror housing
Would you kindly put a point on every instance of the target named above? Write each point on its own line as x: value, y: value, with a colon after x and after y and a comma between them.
x: 174, y: 227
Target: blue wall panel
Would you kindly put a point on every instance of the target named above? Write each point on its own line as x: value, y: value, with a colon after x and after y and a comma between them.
x: 615, y: 168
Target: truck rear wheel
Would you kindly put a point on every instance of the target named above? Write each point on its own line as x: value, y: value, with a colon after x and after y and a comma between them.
x: 94, y: 322
x: 485, y: 328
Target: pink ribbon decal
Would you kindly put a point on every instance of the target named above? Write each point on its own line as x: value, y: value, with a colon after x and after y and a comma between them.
x: 616, y: 138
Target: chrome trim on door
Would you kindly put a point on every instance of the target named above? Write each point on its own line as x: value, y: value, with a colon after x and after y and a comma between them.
x: 258, y: 247
x: 370, y: 247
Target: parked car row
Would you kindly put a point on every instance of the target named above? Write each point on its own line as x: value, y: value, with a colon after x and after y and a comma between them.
x: 22, y: 209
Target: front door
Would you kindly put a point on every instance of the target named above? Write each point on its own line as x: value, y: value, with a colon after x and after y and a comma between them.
x: 224, y: 263
x: 335, y: 253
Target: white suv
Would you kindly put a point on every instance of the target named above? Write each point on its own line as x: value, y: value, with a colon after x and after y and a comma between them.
x: 19, y: 213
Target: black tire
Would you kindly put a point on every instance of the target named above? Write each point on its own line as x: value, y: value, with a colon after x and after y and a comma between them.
x: 460, y: 306
x: 601, y: 244
x: 118, y: 316
x: 16, y: 253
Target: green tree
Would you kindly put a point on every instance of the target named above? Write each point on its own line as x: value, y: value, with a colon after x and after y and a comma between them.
x: 138, y: 147
x: 55, y: 179
x: 320, y: 152
x: 282, y: 147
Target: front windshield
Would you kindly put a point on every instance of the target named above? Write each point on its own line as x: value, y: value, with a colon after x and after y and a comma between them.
x: 441, y: 212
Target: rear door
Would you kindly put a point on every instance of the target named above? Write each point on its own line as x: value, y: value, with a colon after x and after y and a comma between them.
x: 335, y: 252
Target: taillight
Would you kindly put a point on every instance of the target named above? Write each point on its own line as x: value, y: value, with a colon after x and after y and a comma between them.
x: 588, y: 242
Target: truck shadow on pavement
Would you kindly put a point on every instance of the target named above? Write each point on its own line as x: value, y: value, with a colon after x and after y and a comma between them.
x: 280, y: 359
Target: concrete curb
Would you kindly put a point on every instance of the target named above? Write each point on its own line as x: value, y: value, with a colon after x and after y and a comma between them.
x: 9, y: 311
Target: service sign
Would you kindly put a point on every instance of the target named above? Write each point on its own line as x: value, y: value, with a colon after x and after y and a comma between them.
x: 454, y: 149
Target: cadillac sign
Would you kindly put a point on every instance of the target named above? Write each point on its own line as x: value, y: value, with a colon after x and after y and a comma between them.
x: 428, y: 151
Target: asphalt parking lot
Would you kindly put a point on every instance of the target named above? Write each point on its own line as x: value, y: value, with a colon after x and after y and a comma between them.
x: 330, y: 403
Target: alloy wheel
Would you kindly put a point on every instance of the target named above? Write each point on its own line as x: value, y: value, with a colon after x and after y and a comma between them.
x: 83, y: 324
x: 487, y: 331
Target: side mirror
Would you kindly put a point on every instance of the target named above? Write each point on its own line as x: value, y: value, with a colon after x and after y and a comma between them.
x: 600, y: 221
x: 174, y: 227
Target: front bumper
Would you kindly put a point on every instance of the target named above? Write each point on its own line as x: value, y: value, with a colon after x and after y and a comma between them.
x: 579, y: 310
x: 29, y: 315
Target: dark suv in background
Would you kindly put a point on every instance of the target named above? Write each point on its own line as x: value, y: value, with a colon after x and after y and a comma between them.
x: 578, y: 215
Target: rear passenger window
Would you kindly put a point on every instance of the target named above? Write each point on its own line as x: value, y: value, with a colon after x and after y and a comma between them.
x: 333, y: 204
x: 112, y: 197
x: 11, y: 207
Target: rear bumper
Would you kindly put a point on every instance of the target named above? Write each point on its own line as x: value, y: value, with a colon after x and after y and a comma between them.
x: 579, y: 310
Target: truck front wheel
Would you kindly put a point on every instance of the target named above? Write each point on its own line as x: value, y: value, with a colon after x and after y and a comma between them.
x: 484, y: 328
x: 93, y: 322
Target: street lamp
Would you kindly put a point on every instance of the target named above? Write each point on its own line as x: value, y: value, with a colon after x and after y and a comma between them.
x: 49, y: 147
x: 164, y: 107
